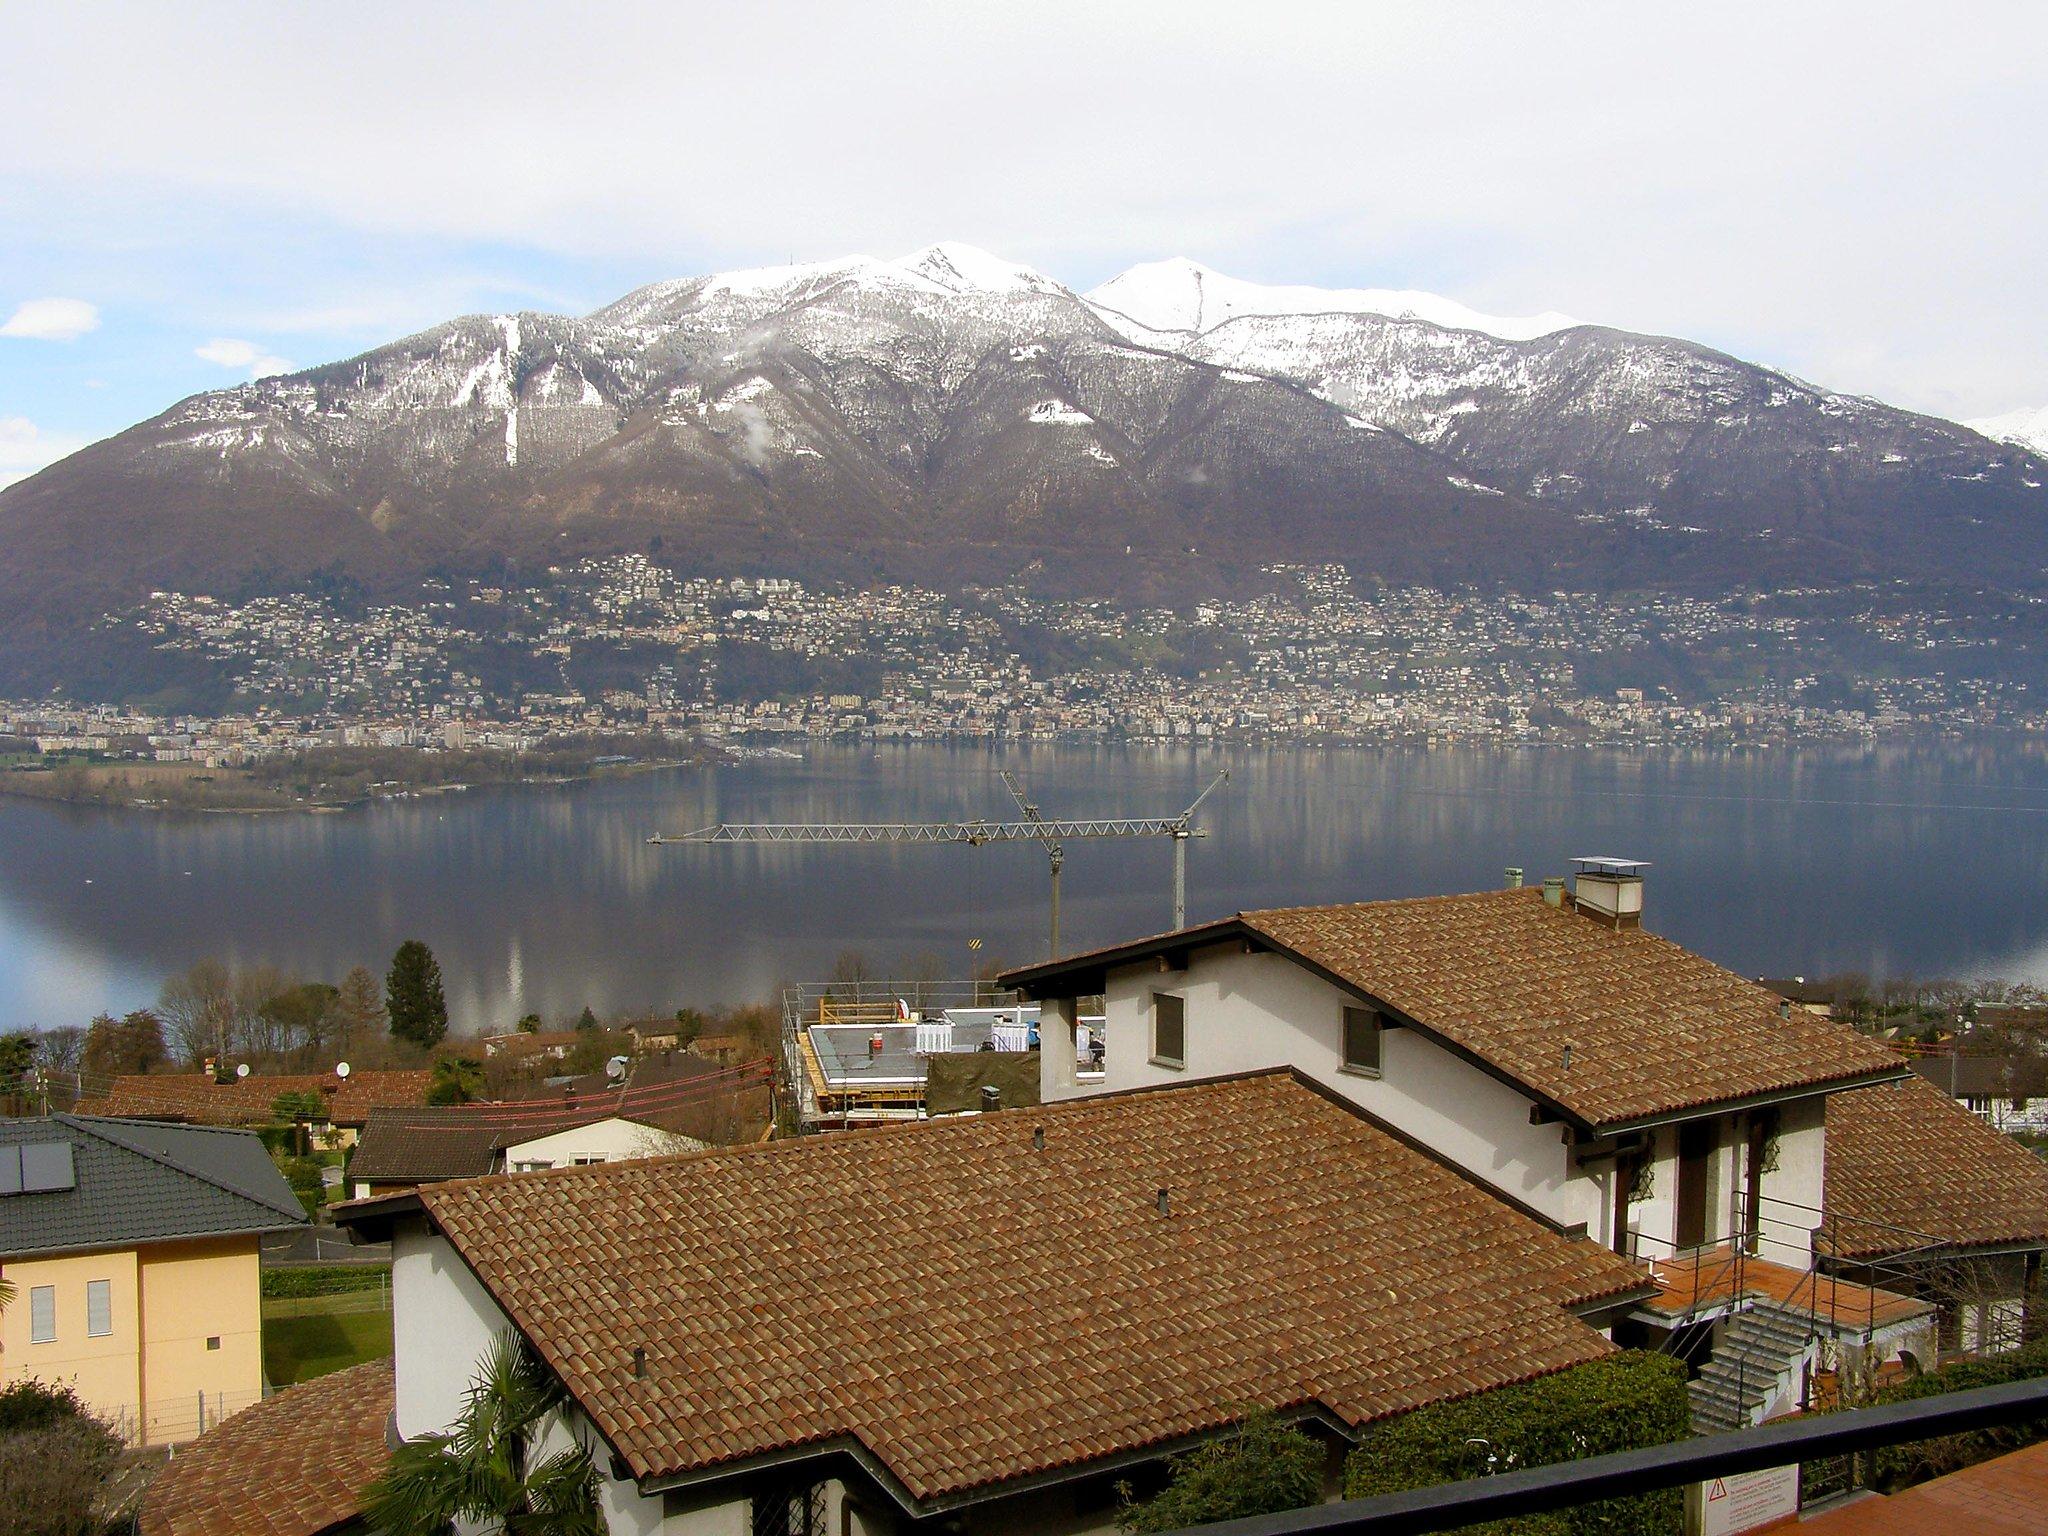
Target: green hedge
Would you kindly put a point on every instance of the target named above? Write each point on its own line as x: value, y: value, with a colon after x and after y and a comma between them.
x: 325, y: 1279
x: 1616, y: 1403
x: 1260, y: 1468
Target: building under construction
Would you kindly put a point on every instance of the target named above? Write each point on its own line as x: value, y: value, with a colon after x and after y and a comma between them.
x: 863, y: 1053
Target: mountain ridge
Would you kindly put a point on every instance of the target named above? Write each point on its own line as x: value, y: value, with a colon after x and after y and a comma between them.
x: 951, y: 414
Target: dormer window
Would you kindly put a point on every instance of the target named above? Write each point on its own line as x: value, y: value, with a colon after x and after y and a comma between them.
x: 1362, y: 1030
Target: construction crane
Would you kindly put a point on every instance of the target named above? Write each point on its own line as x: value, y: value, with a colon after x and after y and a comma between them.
x: 1034, y: 828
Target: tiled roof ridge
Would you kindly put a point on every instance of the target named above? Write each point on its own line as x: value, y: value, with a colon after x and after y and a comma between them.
x: 896, y: 1129
x: 1440, y: 899
x: 296, y: 1212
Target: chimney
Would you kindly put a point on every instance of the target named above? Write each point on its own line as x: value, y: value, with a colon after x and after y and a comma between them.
x: 1514, y: 877
x: 991, y: 1098
x: 1610, y: 891
x: 1553, y: 891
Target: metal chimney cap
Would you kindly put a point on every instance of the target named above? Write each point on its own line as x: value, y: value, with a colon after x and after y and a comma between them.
x: 1604, y: 864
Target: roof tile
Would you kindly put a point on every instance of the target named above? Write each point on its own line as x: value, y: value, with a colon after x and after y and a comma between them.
x: 1907, y: 1165
x: 891, y: 1285
x: 1653, y: 1028
x: 292, y: 1465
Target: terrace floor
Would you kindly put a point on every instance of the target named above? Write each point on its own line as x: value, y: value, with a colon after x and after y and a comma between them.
x: 1707, y: 1281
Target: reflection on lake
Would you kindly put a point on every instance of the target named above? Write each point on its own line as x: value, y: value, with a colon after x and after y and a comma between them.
x: 1929, y: 860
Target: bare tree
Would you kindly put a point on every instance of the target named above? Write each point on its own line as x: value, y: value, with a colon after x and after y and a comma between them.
x: 358, y: 1010
x: 199, y: 1007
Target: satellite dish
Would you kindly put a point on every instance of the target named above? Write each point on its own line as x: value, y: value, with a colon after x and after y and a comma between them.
x: 242, y: 1070
x: 341, y: 1069
x: 615, y: 1069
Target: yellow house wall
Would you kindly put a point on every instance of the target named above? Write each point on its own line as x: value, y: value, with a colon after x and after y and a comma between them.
x: 146, y: 1376
x: 193, y: 1292
x: 105, y: 1372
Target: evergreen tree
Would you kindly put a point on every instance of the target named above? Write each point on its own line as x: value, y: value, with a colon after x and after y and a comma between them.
x: 413, y: 997
x: 587, y: 1019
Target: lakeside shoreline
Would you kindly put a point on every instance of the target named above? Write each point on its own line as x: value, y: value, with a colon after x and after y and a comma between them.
x: 104, y: 785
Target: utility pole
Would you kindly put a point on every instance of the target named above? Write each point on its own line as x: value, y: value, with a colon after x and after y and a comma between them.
x: 1035, y: 828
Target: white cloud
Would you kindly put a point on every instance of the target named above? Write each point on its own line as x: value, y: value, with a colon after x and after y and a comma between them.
x: 26, y: 448
x: 52, y: 320
x: 1836, y: 187
x: 242, y: 356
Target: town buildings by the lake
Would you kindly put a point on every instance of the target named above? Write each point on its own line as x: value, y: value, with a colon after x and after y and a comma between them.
x: 624, y: 644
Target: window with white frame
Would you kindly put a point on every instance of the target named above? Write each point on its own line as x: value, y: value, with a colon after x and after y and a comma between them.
x: 99, y: 1308
x: 42, y: 1314
x: 1363, y: 1028
x: 1169, y: 1029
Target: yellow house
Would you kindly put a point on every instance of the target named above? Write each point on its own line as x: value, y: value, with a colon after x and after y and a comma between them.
x: 132, y: 1250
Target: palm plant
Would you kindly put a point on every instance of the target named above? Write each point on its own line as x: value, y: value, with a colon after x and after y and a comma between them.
x: 482, y: 1473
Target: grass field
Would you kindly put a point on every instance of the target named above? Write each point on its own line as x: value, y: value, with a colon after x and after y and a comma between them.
x: 308, y: 1336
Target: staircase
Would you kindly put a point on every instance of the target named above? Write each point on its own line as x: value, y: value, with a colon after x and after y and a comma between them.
x: 1756, y: 1351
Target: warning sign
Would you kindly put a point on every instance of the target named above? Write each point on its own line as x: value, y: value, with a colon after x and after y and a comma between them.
x: 1728, y: 1506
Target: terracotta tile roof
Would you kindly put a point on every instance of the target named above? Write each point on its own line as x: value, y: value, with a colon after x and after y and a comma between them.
x: 1653, y: 1028
x: 1907, y: 1156
x: 973, y: 1309
x: 195, y: 1097
x: 292, y: 1465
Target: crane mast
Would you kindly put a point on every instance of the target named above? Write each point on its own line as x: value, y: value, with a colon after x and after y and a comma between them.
x: 1035, y: 827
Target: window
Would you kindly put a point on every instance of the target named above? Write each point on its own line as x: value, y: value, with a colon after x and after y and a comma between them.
x: 42, y: 1314
x: 1362, y: 1028
x: 589, y: 1162
x: 1169, y: 1029
x: 213, y: 1341
x: 99, y: 1308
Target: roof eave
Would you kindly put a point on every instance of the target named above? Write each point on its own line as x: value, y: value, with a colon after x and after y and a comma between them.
x: 852, y: 1447
x: 213, y: 1234
x: 1872, y: 1079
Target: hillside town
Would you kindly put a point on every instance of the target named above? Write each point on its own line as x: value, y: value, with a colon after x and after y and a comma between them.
x: 623, y: 644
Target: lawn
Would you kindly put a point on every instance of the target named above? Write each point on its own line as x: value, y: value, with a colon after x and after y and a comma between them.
x: 308, y: 1336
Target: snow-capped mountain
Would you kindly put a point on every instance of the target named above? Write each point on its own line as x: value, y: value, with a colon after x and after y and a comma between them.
x: 2024, y: 428
x: 1184, y: 298
x: 951, y: 414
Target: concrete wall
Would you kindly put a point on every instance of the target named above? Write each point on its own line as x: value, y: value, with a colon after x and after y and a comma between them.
x: 443, y: 1323
x: 1247, y: 1012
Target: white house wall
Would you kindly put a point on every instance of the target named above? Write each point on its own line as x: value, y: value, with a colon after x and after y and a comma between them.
x: 1248, y: 1012
x: 614, y: 1140
x: 443, y: 1324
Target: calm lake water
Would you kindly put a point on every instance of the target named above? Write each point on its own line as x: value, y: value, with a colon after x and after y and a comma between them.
x: 1928, y: 861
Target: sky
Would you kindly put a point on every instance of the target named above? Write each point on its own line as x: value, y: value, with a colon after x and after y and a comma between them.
x: 194, y: 195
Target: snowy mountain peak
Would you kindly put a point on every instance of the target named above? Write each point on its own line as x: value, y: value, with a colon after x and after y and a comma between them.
x: 1186, y: 298
x: 2028, y: 429
x: 962, y: 268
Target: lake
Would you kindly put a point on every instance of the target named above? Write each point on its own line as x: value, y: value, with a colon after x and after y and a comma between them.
x: 1927, y: 860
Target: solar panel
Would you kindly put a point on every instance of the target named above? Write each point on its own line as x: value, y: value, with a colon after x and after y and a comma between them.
x: 46, y: 1166
x: 10, y: 1170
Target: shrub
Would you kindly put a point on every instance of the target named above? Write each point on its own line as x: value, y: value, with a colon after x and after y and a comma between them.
x: 54, y: 1457
x: 1900, y: 1465
x: 1617, y: 1403
x: 30, y: 1404
x: 1260, y: 1467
